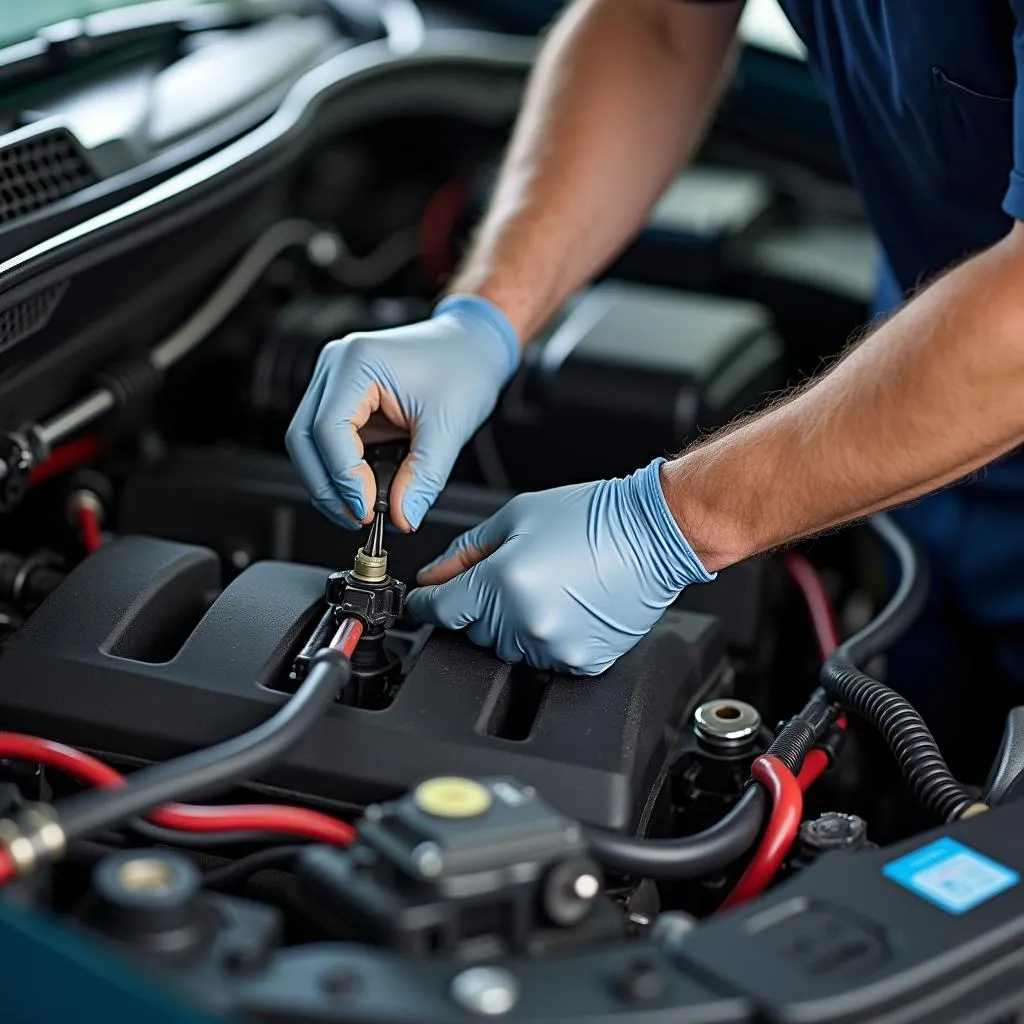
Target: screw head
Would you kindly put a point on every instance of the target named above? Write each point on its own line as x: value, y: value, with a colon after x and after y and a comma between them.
x: 586, y: 886
x: 640, y: 981
x: 671, y: 927
x: 427, y: 860
x: 486, y: 991
x: 340, y: 981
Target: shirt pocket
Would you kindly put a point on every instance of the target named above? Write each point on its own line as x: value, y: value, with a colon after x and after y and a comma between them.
x: 976, y: 136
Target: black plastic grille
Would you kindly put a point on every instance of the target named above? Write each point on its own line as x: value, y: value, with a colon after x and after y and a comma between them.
x: 29, y: 315
x: 37, y: 171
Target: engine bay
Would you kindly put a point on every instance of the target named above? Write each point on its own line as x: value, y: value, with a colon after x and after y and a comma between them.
x: 401, y: 826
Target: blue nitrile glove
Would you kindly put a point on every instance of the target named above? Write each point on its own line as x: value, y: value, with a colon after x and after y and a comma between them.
x: 569, y: 579
x: 436, y: 381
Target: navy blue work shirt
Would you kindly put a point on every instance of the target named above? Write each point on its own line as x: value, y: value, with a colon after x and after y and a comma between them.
x: 927, y: 97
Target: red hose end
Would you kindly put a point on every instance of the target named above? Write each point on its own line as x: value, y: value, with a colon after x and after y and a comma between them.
x: 783, y: 825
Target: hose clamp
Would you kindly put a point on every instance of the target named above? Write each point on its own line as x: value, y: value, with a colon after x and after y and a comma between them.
x: 35, y: 837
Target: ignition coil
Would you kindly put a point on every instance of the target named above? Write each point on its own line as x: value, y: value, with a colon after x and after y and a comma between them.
x: 368, y: 593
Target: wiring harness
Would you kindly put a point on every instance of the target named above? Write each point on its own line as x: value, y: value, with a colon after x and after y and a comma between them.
x: 42, y: 833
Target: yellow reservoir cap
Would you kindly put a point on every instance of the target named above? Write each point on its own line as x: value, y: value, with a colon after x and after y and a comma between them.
x: 452, y: 797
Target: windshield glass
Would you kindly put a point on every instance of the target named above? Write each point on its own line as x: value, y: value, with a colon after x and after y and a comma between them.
x: 21, y: 19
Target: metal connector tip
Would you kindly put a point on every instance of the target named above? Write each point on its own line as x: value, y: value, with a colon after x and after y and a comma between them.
x: 374, y: 545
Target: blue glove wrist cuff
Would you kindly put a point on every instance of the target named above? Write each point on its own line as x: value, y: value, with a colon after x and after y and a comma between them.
x: 487, y: 313
x: 682, y: 562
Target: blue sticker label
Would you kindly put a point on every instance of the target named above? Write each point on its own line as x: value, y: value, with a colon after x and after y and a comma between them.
x: 952, y: 876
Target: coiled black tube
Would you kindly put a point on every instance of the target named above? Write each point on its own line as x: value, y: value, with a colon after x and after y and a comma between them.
x: 799, y: 734
x: 689, y: 856
x: 901, y: 725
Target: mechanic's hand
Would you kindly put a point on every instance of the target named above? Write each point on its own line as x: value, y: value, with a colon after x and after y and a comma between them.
x: 569, y: 579
x: 436, y: 381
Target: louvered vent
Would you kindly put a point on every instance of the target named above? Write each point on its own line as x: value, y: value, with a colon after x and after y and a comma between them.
x: 39, y: 170
x: 29, y: 315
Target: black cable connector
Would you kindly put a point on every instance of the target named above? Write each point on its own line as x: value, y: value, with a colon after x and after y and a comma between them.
x: 205, y: 771
x: 800, y: 734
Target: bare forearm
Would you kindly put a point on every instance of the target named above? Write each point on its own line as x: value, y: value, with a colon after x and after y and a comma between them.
x: 620, y: 95
x: 932, y: 395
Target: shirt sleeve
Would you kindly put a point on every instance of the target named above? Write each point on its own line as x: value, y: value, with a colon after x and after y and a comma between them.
x: 1013, y: 203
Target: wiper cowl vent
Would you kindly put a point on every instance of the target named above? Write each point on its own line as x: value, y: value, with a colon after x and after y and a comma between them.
x: 38, y: 169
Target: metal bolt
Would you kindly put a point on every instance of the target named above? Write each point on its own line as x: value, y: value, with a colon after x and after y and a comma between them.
x: 671, y: 927
x: 373, y: 813
x: 427, y: 860
x: 486, y: 991
x: 324, y: 249
x: 573, y: 834
x: 146, y: 874
x: 241, y: 558
x: 586, y: 886
x: 340, y: 981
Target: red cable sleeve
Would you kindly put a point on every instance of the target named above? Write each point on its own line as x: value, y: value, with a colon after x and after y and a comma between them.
x: 815, y: 764
x: 348, y: 635
x: 819, y: 604
x: 65, y: 458
x: 436, y: 226
x: 89, y: 527
x: 787, y: 810
x: 294, y: 821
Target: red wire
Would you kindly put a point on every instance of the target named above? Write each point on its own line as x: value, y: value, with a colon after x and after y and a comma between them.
x: 436, y: 226
x: 293, y: 821
x: 787, y: 810
x: 348, y: 635
x: 819, y: 604
x: 89, y: 527
x: 785, y: 789
x: 815, y: 765
x: 66, y: 457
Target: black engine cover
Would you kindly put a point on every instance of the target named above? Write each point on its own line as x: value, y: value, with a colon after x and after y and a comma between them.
x: 129, y: 657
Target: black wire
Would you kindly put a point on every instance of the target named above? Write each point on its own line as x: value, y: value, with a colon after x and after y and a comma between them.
x: 216, y: 767
x: 688, y: 856
x: 902, y: 609
x: 232, y: 875
x: 902, y: 726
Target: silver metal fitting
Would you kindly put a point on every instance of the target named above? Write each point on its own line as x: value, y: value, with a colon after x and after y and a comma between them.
x: 36, y: 836
x: 83, y: 500
x: 486, y: 991
x: 727, y: 723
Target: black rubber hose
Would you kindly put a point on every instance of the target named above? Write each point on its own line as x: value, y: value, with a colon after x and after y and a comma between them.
x: 902, y: 609
x: 689, y: 856
x: 238, y: 872
x: 213, y: 768
x: 903, y: 728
